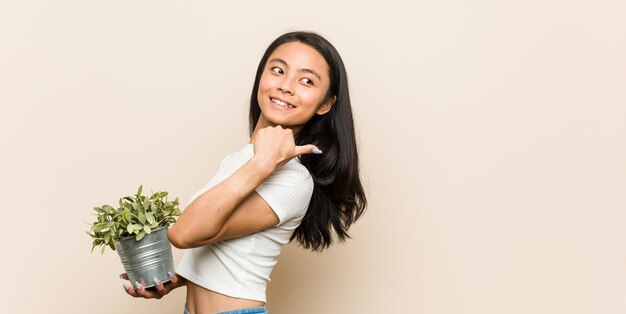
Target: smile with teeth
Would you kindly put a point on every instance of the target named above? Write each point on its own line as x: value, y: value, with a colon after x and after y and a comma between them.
x: 281, y: 103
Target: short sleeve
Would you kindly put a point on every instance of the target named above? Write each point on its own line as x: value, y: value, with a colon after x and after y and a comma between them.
x: 226, y: 168
x: 288, y: 191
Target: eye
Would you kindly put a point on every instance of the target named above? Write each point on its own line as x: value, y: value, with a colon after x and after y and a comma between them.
x: 277, y: 70
x: 306, y: 81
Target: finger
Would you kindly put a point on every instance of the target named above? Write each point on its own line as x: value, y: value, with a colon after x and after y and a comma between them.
x: 159, y: 287
x: 142, y: 292
x: 307, y: 149
x: 129, y: 289
x: 173, y: 278
x: 139, y: 289
x: 124, y: 276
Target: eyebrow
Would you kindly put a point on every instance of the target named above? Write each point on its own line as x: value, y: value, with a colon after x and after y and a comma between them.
x: 279, y: 60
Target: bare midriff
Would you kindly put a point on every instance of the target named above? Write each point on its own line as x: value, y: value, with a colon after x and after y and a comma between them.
x: 201, y: 301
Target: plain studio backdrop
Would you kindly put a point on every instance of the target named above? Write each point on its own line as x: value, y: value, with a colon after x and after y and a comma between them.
x: 492, y: 141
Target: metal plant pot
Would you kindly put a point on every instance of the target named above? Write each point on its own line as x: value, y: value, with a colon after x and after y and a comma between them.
x: 147, y: 259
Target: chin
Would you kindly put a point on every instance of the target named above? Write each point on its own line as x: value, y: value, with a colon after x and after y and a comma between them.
x: 276, y: 122
x: 272, y: 119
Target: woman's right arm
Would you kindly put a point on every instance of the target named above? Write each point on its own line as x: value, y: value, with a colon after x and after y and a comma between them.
x: 231, y: 208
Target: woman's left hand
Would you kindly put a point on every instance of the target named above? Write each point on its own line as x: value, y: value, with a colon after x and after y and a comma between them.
x: 275, y: 146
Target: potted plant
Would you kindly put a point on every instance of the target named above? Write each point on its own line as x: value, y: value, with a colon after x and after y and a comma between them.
x: 137, y: 230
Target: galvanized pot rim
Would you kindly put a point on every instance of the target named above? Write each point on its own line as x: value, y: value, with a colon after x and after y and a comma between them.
x: 132, y: 236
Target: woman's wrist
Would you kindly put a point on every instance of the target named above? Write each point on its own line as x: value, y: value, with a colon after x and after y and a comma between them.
x: 261, y: 166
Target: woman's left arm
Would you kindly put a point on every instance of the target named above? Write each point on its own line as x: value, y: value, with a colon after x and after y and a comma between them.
x: 252, y: 215
x: 208, y: 218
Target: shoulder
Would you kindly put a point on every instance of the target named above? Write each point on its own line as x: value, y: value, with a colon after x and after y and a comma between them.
x: 288, y: 190
x: 293, y: 174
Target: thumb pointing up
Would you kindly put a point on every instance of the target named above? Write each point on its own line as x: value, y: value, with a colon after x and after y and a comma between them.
x: 306, y: 149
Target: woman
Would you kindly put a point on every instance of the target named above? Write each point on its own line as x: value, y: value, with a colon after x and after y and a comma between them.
x: 298, y: 178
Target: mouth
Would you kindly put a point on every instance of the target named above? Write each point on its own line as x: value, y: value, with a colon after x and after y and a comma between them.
x: 281, y: 103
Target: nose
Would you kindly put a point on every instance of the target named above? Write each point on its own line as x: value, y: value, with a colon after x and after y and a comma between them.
x: 286, y: 87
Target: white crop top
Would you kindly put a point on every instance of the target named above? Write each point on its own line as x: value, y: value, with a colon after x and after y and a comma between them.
x: 241, y: 267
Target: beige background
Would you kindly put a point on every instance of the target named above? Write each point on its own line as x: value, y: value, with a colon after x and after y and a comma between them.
x: 492, y: 137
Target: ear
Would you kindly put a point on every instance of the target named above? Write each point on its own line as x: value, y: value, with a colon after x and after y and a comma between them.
x: 326, y: 105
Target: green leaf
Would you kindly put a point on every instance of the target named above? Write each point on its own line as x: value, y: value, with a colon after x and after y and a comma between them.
x: 127, y: 217
x: 141, y: 217
x: 99, y: 226
x: 147, y: 229
x: 140, y: 190
x: 137, y: 207
x: 140, y: 235
x: 99, y: 210
x: 130, y: 228
x: 108, y: 209
x: 150, y: 218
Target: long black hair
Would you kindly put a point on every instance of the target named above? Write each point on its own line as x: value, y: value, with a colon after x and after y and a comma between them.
x: 338, y: 198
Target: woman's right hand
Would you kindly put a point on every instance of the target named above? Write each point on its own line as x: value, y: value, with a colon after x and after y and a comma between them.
x: 157, y: 292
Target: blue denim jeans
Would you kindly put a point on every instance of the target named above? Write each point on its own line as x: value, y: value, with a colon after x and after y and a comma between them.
x: 252, y: 310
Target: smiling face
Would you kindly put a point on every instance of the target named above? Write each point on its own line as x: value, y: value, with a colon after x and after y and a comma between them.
x: 293, y: 87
